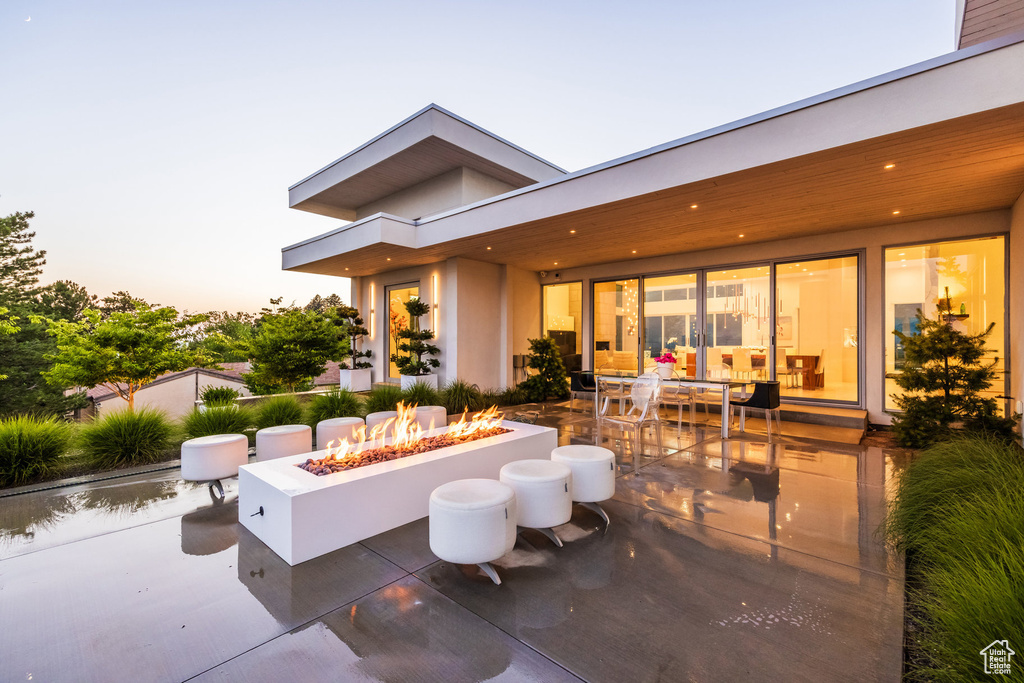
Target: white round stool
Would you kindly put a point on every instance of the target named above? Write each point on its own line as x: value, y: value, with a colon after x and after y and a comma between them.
x: 283, y: 440
x: 593, y: 474
x: 473, y: 521
x: 431, y: 415
x: 212, y: 458
x: 543, y: 494
x: 336, y: 429
x: 374, y: 419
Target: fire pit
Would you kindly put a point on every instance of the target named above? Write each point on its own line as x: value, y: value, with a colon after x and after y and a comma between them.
x: 406, y: 439
x: 300, y: 515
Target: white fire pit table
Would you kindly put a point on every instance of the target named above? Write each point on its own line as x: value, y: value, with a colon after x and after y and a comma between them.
x: 300, y: 515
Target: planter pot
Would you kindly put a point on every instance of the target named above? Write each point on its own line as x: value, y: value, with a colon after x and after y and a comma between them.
x: 409, y: 380
x: 355, y: 380
x: 664, y: 370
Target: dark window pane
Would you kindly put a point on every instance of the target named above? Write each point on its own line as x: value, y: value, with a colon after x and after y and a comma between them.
x: 652, y: 296
x: 675, y: 295
x: 728, y: 330
x: 653, y: 340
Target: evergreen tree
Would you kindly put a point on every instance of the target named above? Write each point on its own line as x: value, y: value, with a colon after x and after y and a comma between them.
x: 550, y: 380
x: 415, y: 343
x: 350, y: 328
x: 942, y: 379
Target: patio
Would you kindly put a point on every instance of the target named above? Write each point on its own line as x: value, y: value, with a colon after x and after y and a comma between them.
x: 724, y: 560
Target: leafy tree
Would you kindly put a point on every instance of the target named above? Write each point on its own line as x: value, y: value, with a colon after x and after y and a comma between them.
x: 8, y: 325
x: 123, y: 351
x: 20, y: 264
x: 225, y: 337
x: 350, y: 329
x: 122, y: 302
x: 65, y: 300
x: 550, y: 380
x: 942, y: 378
x: 23, y: 350
x: 289, y: 349
x: 414, y: 342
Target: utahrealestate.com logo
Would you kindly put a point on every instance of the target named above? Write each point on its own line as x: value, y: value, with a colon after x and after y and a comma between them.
x: 997, y: 657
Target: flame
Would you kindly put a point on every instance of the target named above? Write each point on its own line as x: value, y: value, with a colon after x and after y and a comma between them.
x: 405, y: 432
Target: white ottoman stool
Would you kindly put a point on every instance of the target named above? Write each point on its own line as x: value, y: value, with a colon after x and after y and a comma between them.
x: 374, y: 419
x: 543, y: 494
x: 473, y: 521
x: 212, y: 458
x: 336, y: 429
x: 593, y: 475
x: 427, y: 415
x: 283, y: 440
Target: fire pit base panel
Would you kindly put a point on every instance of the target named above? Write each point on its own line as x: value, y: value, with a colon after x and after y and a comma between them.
x: 301, y: 516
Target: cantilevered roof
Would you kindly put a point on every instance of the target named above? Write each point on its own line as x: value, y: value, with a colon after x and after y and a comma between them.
x: 953, y: 127
x: 429, y: 143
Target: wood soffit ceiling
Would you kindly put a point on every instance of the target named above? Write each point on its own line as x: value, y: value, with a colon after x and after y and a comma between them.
x: 960, y: 166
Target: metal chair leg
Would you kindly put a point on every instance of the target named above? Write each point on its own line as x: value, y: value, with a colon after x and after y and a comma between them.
x: 489, y: 570
x: 594, y: 507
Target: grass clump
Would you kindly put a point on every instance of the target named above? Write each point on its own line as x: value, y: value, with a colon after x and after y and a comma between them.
x: 126, y: 437
x: 459, y: 396
x: 218, y: 396
x: 31, y: 447
x: 958, y: 514
x: 491, y: 397
x: 223, y: 419
x: 337, y: 403
x: 513, y: 396
x: 421, y: 394
x: 279, y: 410
x: 383, y: 397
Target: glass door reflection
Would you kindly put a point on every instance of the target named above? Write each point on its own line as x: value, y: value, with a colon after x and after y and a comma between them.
x: 671, y: 321
x: 737, y: 323
x: 616, y: 327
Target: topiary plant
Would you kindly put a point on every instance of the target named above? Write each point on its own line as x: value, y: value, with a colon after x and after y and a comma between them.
x: 942, y: 378
x: 550, y: 380
x: 414, y: 343
x: 350, y: 327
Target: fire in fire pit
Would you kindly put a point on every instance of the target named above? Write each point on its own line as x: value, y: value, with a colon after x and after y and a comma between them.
x: 406, y: 439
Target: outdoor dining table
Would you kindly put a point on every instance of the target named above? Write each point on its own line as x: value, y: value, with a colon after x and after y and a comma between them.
x: 723, y: 385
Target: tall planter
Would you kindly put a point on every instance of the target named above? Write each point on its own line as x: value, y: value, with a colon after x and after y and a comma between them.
x: 355, y: 380
x: 409, y: 380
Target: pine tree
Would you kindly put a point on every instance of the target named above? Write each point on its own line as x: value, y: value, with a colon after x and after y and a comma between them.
x: 942, y: 379
x: 350, y: 328
x: 550, y: 380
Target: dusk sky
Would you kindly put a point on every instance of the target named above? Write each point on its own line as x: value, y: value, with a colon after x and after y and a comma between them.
x: 156, y: 141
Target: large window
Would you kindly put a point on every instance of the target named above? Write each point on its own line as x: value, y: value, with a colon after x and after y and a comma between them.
x: 617, y: 326
x: 398, y: 319
x: 817, y: 328
x: 737, y: 323
x: 917, y: 277
x: 670, y: 320
x: 563, y: 321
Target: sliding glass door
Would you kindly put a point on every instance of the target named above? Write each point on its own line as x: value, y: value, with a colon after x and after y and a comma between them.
x: 616, y: 326
x: 738, y: 326
x: 671, y: 321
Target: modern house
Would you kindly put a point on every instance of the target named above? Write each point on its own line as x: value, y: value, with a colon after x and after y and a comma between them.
x: 174, y: 393
x: 789, y: 244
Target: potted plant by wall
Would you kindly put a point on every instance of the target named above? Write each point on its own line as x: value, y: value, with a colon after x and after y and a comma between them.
x: 666, y: 364
x: 353, y: 373
x: 415, y: 365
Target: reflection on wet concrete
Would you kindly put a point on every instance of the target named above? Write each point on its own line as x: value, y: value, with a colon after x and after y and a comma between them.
x: 724, y: 560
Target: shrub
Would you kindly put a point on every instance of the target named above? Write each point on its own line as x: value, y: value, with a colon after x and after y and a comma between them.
x: 232, y: 419
x: 459, y: 396
x: 383, y: 397
x: 958, y: 513
x: 513, y: 396
x: 491, y: 397
x: 280, y: 410
x: 422, y: 394
x: 218, y: 396
x: 550, y: 380
x: 338, y: 403
x: 127, y: 437
x: 30, y: 447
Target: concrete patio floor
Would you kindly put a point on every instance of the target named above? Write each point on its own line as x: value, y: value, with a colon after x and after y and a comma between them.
x: 724, y: 560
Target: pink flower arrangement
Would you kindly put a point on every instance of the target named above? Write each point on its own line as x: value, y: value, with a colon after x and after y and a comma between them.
x: 667, y: 358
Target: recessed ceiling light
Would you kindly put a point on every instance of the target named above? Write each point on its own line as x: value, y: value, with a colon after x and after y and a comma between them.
x: 389, y: 258
x: 488, y: 248
x: 556, y: 263
x: 889, y: 166
x: 805, y: 270
x: 903, y: 253
x: 742, y: 235
x: 896, y: 212
x: 634, y: 251
x: 346, y: 269
x: 572, y: 232
x: 693, y: 206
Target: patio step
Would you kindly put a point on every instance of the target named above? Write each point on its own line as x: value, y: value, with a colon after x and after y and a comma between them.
x: 845, y: 418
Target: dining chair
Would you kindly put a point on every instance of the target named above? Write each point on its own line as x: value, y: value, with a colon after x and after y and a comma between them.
x: 742, y: 365
x: 819, y: 372
x: 611, y: 390
x: 680, y: 395
x: 766, y: 397
x: 583, y: 384
x: 644, y: 395
x: 782, y: 368
x: 716, y: 367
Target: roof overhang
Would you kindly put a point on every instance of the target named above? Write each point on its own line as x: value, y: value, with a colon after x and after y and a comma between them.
x: 953, y: 127
x: 429, y: 143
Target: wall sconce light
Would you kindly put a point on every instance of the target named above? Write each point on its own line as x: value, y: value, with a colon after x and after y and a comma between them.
x: 433, y: 299
x: 373, y: 317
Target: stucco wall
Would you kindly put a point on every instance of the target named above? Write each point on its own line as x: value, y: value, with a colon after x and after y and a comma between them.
x: 175, y: 397
x: 1016, y: 356
x: 872, y: 241
x: 458, y: 187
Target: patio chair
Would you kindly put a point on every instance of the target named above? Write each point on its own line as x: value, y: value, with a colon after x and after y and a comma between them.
x: 679, y: 396
x: 766, y: 397
x: 644, y: 395
x: 584, y: 384
x: 611, y: 390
